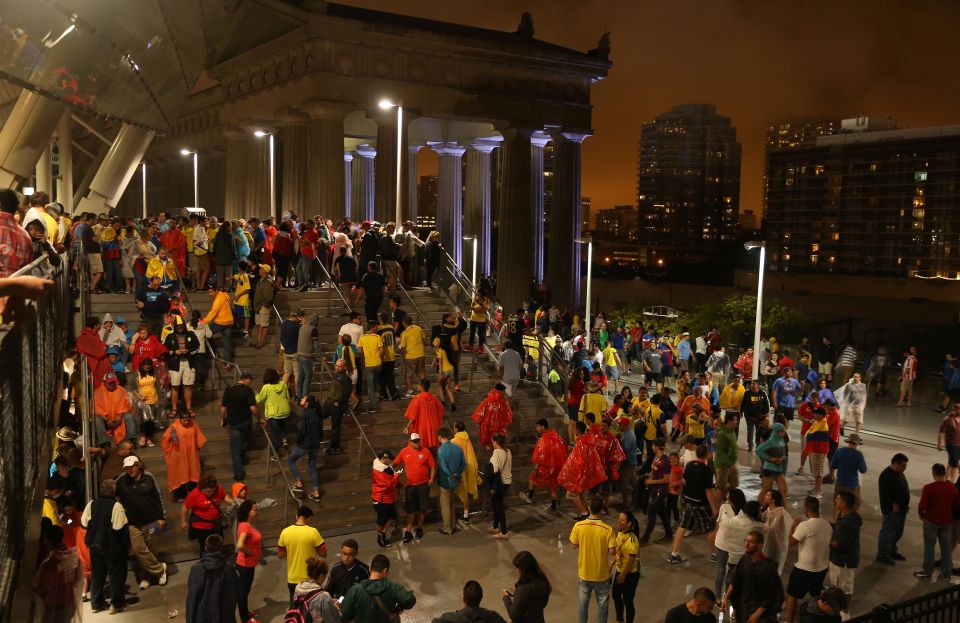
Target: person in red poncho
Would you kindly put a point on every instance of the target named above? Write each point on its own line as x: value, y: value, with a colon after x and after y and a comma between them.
x: 611, y: 455
x: 145, y: 346
x: 425, y: 413
x: 91, y: 345
x: 582, y: 470
x: 493, y: 415
x: 549, y: 455
x: 176, y: 244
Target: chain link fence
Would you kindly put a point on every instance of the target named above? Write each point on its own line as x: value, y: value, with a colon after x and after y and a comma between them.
x: 31, y: 364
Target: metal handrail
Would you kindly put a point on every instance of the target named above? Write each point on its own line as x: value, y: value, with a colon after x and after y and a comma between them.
x: 470, y: 292
x: 333, y: 286
x: 423, y: 319
x: 325, y: 369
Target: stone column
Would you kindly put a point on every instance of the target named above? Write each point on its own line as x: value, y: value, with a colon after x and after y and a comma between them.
x: 410, y: 211
x: 386, y: 171
x: 347, y: 184
x: 565, y: 218
x: 537, y: 144
x: 363, y: 183
x: 255, y: 198
x: 233, y: 188
x: 65, y: 181
x: 327, y: 195
x: 477, y: 215
x: 514, y: 221
x: 450, y: 199
x: 295, y: 176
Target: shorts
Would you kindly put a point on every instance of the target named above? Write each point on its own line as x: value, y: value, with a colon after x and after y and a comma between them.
x: 953, y: 455
x: 263, y: 317
x: 769, y: 473
x: 803, y: 583
x: 612, y: 372
x: 825, y: 368
x: 95, y: 262
x: 656, y: 377
x: 855, y: 413
x: 787, y: 412
x: 183, y: 375
x: 289, y: 364
x: 854, y: 490
x: 242, y: 311
x: 203, y: 262
x: 906, y: 385
x: 696, y: 517
x: 841, y: 577
x: 415, y: 367
x: 385, y: 512
x: 816, y: 463
x: 418, y: 496
x: 727, y: 477
x: 191, y: 261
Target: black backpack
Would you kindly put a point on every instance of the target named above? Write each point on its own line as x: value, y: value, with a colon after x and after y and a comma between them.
x: 299, y: 612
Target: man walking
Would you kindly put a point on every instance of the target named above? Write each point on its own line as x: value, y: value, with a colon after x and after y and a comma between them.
x: 298, y: 543
x: 363, y: 601
x: 784, y: 394
x: 305, y: 355
x: 948, y: 438
x: 213, y: 587
x: 756, y: 591
x: 594, y: 541
x: 853, y: 400
x: 845, y: 544
x: 894, y: 504
x: 335, y: 403
x: 471, y: 611
x: 725, y: 456
x: 421, y: 470
x: 812, y: 538
x: 138, y: 492
x: 372, y: 351
x: 108, y: 540
x: 347, y: 572
x: 451, y: 463
x: 237, y: 410
x: 698, y: 502
x: 849, y: 464
x: 939, y: 502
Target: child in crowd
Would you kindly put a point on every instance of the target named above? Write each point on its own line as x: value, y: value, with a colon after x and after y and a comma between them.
x: 674, y: 487
x: 146, y: 401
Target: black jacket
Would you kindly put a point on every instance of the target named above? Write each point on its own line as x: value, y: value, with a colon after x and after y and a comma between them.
x: 310, y: 430
x: 528, y: 602
x: 754, y: 405
x: 212, y: 590
x: 756, y: 585
x: 191, y: 345
x: 342, y: 578
x: 893, y: 489
x: 141, y: 499
x: 100, y: 532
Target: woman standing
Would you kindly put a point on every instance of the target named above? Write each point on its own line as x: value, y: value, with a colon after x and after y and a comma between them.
x: 275, y: 398
x: 575, y: 389
x: 502, y: 470
x: 625, y: 582
x: 529, y: 597
x: 248, y: 556
x: 728, y: 511
x: 224, y: 254
x: 779, y: 524
x: 201, y: 514
x: 309, y: 436
x: 773, y: 454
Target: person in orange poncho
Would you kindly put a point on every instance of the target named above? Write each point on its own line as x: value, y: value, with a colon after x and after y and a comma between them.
x: 111, y: 405
x: 91, y: 345
x: 181, y: 448
x: 176, y: 244
x: 549, y: 455
x: 493, y: 415
x: 467, y: 488
x: 75, y: 535
x: 425, y: 413
x: 611, y: 455
x: 582, y: 470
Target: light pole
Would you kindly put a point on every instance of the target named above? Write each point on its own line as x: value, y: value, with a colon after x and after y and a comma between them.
x: 273, y: 174
x: 196, y: 187
x: 143, y: 179
x: 473, y: 271
x: 749, y: 246
x: 386, y: 104
x: 586, y: 318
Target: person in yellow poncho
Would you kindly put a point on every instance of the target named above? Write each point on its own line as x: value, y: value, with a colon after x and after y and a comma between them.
x: 162, y: 266
x: 467, y: 488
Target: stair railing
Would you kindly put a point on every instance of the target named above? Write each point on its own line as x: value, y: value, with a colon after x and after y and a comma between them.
x: 362, y: 439
x: 333, y: 286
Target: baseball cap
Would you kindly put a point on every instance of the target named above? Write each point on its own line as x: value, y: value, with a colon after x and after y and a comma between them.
x: 246, y: 374
x: 386, y: 452
x: 301, y: 311
x: 109, y: 376
x: 130, y: 461
x: 414, y: 436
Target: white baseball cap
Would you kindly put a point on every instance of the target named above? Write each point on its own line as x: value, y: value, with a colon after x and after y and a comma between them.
x: 414, y: 436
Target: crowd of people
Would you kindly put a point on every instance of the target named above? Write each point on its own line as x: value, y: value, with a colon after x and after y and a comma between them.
x: 667, y: 447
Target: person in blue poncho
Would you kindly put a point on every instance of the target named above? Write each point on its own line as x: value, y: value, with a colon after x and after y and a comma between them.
x: 773, y: 454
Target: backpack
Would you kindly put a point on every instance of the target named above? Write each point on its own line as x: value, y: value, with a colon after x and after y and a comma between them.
x: 299, y: 612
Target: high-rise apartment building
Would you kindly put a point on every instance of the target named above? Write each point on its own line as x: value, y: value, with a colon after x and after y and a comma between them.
x: 688, y: 178
x: 618, y: 222
x: 867, y: 203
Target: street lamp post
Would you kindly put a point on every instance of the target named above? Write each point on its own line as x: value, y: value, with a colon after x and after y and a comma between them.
x: 143, y: 179
x: 586, y: 318
x: 196, y: 186
x: 749, y: 246
x: 386, y: 104
x: 273, y: 174
x: 473, y: 271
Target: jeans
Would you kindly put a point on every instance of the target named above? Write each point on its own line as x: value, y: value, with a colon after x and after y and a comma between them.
x: 499, y: 509
x: 370, y: 376
x: 931, y: 536
x: 719, y: 580
x: 304, y: 265
x: 657, y: 506
x: 100, y: 428
x: 602, y: 591
x: 311, y: 464
x: 246, y: 582
x: 304, y: 376
x: 278, y: 428
x: 239, y: 443
x: 107, y: 564
x: 112, y: 277
x: 226, y: 348
x: 335, y: 413
x: 751, y: 434
x: 890, y: 532
x: 624, y: 595
x: 388, y: 383
x: 480, y: 330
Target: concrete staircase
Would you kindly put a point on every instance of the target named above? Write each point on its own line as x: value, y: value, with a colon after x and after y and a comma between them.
x: 344, y: 478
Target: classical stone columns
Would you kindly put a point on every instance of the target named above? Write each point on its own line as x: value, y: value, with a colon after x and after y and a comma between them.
x: 477, y: 215
x: 564, y: 261
x: 410, y: 213
x: 450, y: 198
x: 347, y: 184
x: 255, y: 197
x: 537, y: 143
x: 327, y: 195
x: 233, y: 188
x: 296, y: 181
x: 362, y: 207
x: 514, y: 217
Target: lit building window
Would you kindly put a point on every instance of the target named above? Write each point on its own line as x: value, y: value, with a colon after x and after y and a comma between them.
x: 920, y: 176
x: 818, y: 170
x: 814, y: 248
x: 873, y: 167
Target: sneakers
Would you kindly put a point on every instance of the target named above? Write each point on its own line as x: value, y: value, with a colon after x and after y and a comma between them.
x: 828, y: 480
x: 315, y: 497
x: 675, y: 559
x: 381, y: 539
x: 407, y: 536
x: 815, y: 493
x: 118, y: 609
x: 163, y: 575
x: 456, y: 387
x: 297, y: 488
x: 465, y: 520
x: 445, y: 532
x: 526, y: 497
x: 410, y: 394
x: 144, y: 585
x: 418, y: 534
x: 922, y: 575
x: 713, y: 557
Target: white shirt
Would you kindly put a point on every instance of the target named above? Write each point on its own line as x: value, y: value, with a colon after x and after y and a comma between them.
x: 352, y: 329
x: 701, y: 345
x: 341, y: 240
x: 813, y: 553
x: 502, y: 461
x: 687, y: 456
